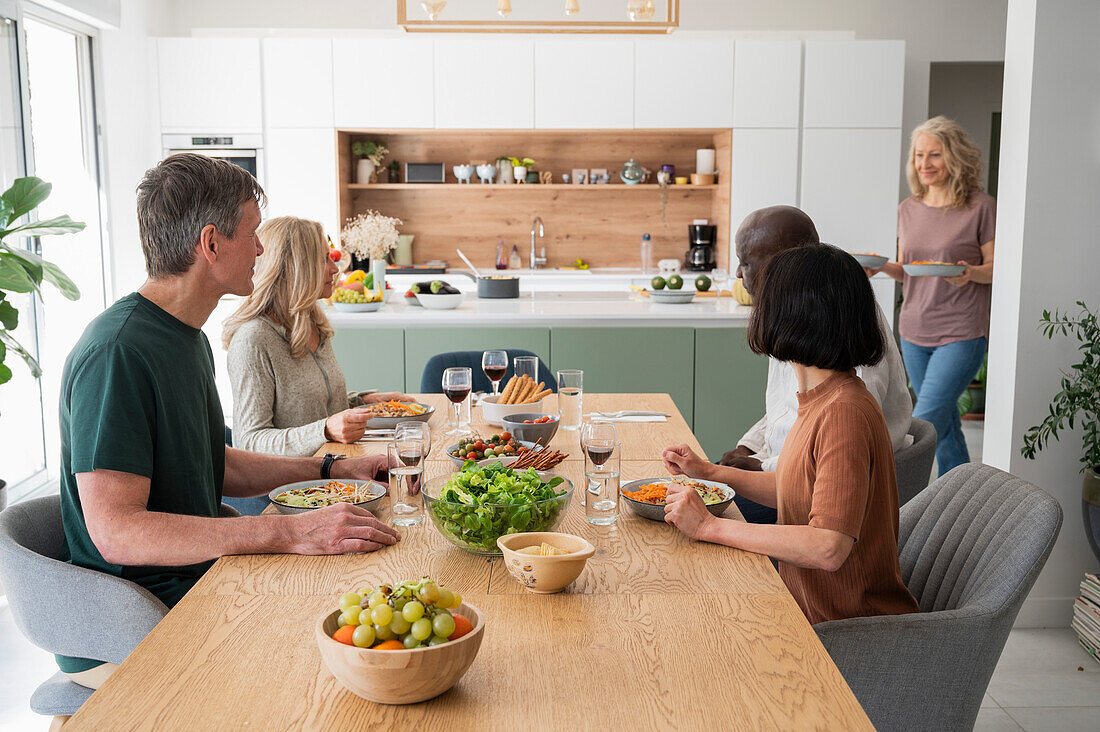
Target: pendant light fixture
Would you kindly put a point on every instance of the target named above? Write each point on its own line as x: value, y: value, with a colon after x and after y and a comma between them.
x: 648, y: 11
x: 635, y: 8
x: 504, y: 8
x: 572, y: 7
x: 433, y: 7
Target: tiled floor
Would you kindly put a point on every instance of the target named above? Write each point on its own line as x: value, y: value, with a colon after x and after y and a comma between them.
x: 1044, y: 681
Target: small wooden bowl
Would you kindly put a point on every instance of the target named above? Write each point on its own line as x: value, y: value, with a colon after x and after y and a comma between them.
x: 701, y: 179
x: 545, y: 575
x: 400, y: 677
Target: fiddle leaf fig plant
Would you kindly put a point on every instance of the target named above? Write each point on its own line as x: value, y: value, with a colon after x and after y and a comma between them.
x: 1079, y: 398
x: 21, y: 270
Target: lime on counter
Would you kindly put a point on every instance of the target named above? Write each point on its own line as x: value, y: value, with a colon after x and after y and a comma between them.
x: 675, y: 282
x: 658, y: 283
x: 702, y: 283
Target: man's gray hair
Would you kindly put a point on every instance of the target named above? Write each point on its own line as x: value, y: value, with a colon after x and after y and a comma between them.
x: 178, y: 197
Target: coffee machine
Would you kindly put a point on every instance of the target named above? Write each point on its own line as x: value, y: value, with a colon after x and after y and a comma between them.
x: 700, y: 253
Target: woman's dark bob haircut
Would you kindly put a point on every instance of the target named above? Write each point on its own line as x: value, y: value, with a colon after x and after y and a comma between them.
x: 816, y: 308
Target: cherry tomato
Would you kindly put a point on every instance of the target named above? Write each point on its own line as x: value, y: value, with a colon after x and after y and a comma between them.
x: 479, y: 445
x: 471, y: 456
x: 506, y: 436
x: 334, y: 255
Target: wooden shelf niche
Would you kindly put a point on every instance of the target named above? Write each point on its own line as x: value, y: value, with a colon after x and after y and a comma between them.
x: 600, y: 223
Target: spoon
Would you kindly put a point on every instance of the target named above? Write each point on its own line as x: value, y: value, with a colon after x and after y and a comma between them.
x: 469, y: 263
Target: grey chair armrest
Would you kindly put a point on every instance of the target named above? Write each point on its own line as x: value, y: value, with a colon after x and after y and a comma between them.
x: 226, y: 511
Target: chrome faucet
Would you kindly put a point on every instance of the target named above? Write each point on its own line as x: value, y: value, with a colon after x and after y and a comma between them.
x: 537, y: 227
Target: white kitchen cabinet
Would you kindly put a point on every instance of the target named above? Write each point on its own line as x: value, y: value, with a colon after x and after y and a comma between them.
x: 383, y: 82
x: 683, y: 83
x: 854, y: 83
x: 301, y: 175
x: 850, y: 190
x: 297, y: 82
x: 484, y: 84
x: 767, y: 83
x: 569, y: 95
x: 764, y: 173
x: 209, y: 85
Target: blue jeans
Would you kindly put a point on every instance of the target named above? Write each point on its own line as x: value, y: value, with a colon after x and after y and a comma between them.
x: 940, y: 375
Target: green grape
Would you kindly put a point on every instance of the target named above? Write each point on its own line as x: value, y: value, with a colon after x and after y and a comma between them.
x: 348, y: 599
x: 340, y: 622
x: 363, y: 592
x: 351, y: 615
x: 410, y: 641
x: 443, y: 624
x: 445, y: 598
x: 363, y: 637
x: 437, y: 640
x: 399, y: 603
x: 429, y: 593
x: 456, y: 600
x: 413, y: 611
x: 422, y: 629
x: 375, y: 598
x: 382, y: 615
x: 364, y: 617
x: 383, y: 632
x: 399, y: 625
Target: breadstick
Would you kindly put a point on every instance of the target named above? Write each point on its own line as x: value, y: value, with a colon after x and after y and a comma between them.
x: 506, y: 395
x: 524, y: 390
x: 542, y: 395
x: 531, y: 394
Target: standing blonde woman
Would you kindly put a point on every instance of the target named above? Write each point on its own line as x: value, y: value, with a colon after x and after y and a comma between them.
x: 944, y: 321
x: 289, y: 394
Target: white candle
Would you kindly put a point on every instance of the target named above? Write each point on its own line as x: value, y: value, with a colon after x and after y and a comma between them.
x: 704, y: 162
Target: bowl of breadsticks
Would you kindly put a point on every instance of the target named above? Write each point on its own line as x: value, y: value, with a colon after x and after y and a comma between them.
x: 520, y: 394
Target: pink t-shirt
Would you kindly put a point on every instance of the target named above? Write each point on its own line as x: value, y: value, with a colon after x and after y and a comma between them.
x: 934, y: 312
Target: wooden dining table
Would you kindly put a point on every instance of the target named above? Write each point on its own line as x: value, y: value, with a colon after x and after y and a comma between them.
x: 659, y: 631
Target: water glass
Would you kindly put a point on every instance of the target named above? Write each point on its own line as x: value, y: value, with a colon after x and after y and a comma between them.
x: 570, y: 393
x: 457, y: 382
x: 406, y: 459
x: 527, y: 366
x: 495, y: 364
x: 601, y: 472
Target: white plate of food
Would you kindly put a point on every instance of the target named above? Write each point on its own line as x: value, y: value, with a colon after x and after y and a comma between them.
x: 390, y: 414
x: 307, y: 495
x: 933, y: 269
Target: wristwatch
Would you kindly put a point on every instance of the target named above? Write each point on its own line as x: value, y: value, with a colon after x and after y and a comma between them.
x: 327, y: 461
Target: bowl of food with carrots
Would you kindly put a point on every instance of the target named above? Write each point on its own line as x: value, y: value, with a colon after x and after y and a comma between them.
x: 646, y: 497
x: 400, y: 644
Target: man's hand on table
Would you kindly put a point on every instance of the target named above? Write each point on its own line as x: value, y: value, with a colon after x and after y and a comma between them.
x: 341, y: 529
x: 684, y: 509
x: 366, y: 467
x: 740, y: 457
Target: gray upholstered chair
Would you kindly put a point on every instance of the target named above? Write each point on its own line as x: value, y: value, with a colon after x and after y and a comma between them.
x: 913, y: 463
x: 971, y: 546
x: 115, y: 614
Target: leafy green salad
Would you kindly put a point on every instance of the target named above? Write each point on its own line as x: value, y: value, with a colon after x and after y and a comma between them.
x: 481, y: 503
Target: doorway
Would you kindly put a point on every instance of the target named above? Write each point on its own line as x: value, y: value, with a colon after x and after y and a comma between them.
x: 970, y: 94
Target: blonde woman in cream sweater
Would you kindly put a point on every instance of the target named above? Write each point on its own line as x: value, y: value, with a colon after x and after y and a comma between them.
x: 289, y: 394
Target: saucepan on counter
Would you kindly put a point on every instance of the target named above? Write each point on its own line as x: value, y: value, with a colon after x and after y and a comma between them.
x: 494, y: 287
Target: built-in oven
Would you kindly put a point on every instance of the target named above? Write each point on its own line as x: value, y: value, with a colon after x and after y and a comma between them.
x: 246, y: 151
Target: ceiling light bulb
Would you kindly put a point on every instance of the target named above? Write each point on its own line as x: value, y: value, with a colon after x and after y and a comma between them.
x: 648, y: 11
x: 504, y: 8
x: 634, y: 9
x: 572, y: 7
x: 433, y: 7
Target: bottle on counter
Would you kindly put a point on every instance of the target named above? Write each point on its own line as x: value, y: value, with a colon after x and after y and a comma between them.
x: 647, y: 255
x: 514, y: 261
x: 502, y: 255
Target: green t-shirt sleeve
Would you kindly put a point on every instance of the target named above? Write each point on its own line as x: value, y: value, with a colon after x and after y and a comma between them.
x: 112, y: 403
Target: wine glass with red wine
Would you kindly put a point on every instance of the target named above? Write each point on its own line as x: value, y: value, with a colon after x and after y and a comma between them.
x: 600, y: 444
x: 457, y: 382
x: 494, y: 364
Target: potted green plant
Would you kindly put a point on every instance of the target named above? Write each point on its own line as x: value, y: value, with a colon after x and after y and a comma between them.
x: 1078, y: 401
x: 370, y: 155
x: 24, y: 271
x: 520, y: 166
x: 972, y: 401
x: 394, y: 172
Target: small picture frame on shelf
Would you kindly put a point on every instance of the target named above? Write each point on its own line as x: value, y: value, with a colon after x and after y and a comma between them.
x: 598, y: 175
x: 580, y: 176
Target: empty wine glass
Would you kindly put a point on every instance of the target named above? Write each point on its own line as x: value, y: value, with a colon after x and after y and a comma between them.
x: 419, y: 430
x: 720, y: 278
x: 457, y: 382
x: 494, y: 364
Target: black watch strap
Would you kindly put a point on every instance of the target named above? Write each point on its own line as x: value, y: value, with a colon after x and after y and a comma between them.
x: 326, y: 463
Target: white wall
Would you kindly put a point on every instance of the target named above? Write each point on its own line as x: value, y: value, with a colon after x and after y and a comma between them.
x: 968, y: 93
x: 1046, y: 258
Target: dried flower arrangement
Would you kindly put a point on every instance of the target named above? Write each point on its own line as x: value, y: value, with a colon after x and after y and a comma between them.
x: 370, y: 235
x: 375, y: 152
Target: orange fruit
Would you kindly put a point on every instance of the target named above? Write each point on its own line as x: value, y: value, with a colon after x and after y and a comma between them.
x: 390, y: 645
x: 462, y: 627
x: 343, y: 634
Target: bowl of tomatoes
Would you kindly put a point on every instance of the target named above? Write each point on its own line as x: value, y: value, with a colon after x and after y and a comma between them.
x: 502, y: 448
x: 532, y: 426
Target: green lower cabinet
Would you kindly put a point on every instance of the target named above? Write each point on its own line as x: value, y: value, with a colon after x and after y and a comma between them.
x: 371, y: 358
x: 629, y: 360
x: 423, y: 343
x: 730, y: 381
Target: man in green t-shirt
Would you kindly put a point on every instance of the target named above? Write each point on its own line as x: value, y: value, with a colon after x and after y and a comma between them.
x: 144, y: 461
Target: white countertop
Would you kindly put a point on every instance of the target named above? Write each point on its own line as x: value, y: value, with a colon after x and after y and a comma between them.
x: 611, y: 309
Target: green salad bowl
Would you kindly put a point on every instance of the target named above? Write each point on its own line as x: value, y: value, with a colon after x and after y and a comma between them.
x: 476, y: 528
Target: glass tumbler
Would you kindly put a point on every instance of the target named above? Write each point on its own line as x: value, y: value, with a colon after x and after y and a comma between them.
x: 570, y: 394
x: 406, y: 458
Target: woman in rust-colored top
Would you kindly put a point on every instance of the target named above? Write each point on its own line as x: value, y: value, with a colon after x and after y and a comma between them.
x: 835, y: 489
x: 944, y: 321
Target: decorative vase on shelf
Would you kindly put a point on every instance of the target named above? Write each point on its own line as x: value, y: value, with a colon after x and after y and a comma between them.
x: 378, y: 268
x: 519, y: 172
x: 505, y: 171
x: 364, y: 170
